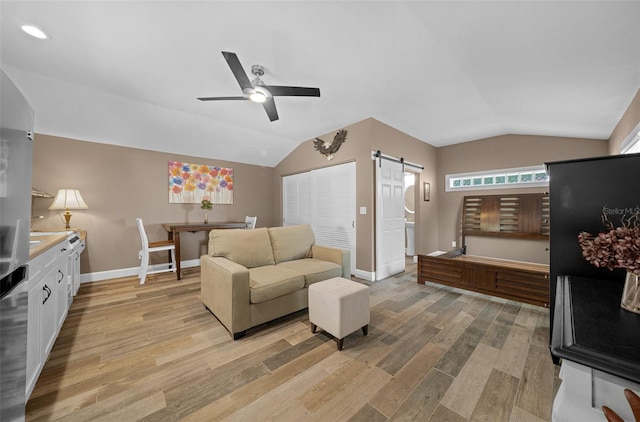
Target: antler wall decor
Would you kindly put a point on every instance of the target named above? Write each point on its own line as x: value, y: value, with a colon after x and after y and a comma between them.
x: 328, y: 149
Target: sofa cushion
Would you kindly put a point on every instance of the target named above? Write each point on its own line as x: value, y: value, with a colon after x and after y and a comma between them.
x: 270, y: 281
x: 291, y: 242
x: 314, y: 270
x: 249, y: 248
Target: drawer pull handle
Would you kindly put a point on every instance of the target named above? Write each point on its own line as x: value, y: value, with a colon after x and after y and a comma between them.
x: 48, y: 292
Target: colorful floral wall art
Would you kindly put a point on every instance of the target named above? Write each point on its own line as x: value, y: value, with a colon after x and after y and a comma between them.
x: 188, y: 183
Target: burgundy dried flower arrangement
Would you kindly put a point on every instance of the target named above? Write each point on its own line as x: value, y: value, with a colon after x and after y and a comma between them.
x: 619, y: 247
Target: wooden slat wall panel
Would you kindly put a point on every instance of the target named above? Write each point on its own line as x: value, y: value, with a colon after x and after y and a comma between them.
x: 472, y: 213
x: 530, y: 220
x: 520, y: 215
x: 509, y: 214
x: 546, y: 215
x: 490, y: 215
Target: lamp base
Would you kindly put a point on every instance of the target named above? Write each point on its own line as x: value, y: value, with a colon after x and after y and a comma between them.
x: 67, y: 219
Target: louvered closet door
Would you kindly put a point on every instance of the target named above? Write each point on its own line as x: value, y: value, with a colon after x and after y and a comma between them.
x: 327, y: 198
x: 296, y: 198
x: 333, y: 207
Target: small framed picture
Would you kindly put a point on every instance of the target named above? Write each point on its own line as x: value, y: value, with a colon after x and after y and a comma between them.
x: 427, y: 191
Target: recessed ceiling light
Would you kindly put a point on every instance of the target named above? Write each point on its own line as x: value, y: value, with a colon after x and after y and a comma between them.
x: 34, y: 31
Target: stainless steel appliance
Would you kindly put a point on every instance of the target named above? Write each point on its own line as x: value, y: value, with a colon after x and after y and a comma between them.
x: 16, y: 148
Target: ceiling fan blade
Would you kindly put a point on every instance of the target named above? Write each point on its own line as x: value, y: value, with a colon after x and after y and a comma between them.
x: 236, y: 68
x: 292, y: 91
x: 270, y: 108
x: 221, y: 98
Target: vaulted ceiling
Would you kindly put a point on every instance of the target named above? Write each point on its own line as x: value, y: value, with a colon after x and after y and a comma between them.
x: 128, y: 73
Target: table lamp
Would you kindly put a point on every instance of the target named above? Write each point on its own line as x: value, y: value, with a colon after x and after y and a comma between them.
x: 68, y: 199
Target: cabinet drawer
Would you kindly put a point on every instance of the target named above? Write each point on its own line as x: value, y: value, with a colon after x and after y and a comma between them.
x: 39, y: 265
x: 440, y: 270
x: 477, y: 276
x: 524, y: 285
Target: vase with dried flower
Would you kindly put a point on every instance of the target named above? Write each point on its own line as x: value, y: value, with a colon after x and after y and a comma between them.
x: 618, y: 247
x: 206, y: 205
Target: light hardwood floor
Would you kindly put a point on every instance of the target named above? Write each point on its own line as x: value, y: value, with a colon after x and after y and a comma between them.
x: 128, y: 352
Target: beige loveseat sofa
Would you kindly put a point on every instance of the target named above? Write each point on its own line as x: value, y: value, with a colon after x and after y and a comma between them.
x: 250, y: 277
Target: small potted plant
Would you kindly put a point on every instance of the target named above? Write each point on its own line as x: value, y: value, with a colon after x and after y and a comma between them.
x: 206, y: 205
x: 618, y: 247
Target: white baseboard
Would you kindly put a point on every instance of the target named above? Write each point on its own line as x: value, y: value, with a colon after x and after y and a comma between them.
x: 365, y: 275
x: 134, y: 271
x: 128, y: 272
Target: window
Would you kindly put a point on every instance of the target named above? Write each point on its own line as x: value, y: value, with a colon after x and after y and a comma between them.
x: 498, y: 179
x: 632, y: 144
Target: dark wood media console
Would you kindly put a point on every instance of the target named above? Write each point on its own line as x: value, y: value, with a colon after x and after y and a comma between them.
x: 521, y: 281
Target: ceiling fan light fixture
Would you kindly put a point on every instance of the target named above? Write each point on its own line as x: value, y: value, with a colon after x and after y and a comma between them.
x: 259, y: 94
x: 257, y: 97
x: 256, y: 91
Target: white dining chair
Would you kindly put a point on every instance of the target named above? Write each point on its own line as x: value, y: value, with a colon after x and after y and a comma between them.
x: 150, y: 247
x: 250, y: 222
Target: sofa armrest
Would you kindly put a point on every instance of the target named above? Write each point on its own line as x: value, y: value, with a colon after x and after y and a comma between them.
x: 225, y: 291
x: 339, y: 256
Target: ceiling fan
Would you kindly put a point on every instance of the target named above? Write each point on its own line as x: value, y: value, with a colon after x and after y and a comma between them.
x: 257, y: 91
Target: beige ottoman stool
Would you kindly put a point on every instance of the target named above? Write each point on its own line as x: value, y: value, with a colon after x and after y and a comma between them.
x: 339, y: 306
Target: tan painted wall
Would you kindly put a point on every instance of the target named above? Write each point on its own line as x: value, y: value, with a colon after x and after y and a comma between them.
x: 630, y: 119
x: 497, y: 153
x: 120, y: 184
x: 362, y: 138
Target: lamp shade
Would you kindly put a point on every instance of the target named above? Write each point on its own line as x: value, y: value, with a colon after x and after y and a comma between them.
x: 68, y: 199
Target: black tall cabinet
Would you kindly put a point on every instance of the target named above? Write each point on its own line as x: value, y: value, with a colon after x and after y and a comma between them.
x: 580, y: 191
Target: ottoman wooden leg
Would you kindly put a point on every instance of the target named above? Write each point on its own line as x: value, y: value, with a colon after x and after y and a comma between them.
x: 313, y: 328
x: 339, y: 343
x: 365, y: 329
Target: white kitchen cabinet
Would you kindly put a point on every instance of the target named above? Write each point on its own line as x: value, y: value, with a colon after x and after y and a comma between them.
x: 47, y: 308
x: 34, y: 338
x: 61, y: 270
x: 73, y: 269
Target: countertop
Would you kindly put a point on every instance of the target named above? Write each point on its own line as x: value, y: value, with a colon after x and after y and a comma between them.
x: 50, y: 240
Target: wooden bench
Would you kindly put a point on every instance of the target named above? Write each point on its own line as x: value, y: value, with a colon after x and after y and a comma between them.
x: 521, y: 281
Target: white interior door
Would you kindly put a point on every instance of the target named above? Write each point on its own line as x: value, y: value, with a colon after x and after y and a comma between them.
x: 390, y: 225
x: 326, y: 199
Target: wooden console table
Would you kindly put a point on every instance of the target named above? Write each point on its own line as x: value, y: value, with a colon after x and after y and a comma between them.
x: 174, y: 230
x: 521, y: 281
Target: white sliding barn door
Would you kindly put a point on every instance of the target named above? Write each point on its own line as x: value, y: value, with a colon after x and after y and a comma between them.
x: 326, y: 199
x: 390, y: 227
